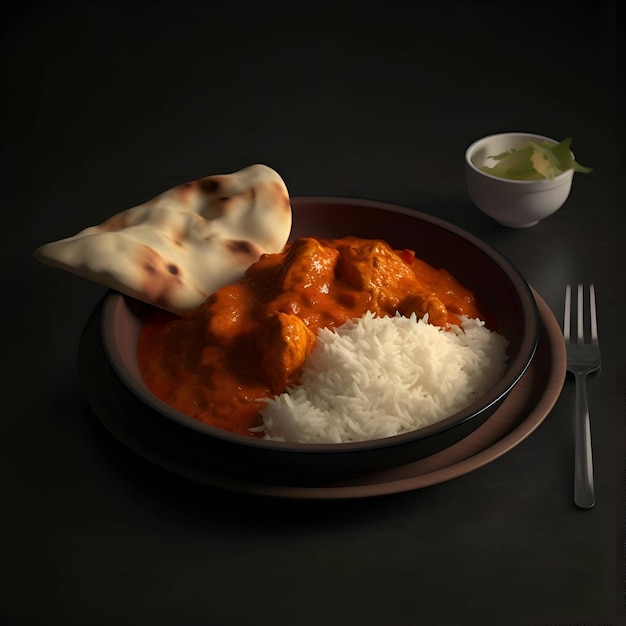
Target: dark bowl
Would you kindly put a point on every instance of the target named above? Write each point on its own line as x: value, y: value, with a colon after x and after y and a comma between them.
x: 488, y: 274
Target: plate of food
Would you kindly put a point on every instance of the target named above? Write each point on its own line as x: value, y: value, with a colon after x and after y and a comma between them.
x: 328, y: 336
x: 150, y: 436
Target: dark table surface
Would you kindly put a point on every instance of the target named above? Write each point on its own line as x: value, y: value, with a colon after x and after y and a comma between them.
x: 106, y: 104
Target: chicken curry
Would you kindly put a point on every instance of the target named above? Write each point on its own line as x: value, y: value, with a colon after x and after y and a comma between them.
x: 249, y: 340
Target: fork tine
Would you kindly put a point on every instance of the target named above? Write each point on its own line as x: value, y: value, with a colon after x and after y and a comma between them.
x: 567, y: 314
x: 580, y: 328
x: 592, y: 308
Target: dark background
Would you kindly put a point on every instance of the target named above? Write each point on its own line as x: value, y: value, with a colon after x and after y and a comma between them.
x: 106, y: 104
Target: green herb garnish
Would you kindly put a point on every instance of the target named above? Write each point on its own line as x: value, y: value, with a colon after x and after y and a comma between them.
x: 534, y: 160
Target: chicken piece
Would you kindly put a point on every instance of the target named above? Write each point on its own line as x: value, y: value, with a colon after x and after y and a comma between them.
x: 373, y: 266
x: 307, y: 276
x: 420, y: 304
x: 309, y: 264
x: 283, y: 341
x: 226, y: 313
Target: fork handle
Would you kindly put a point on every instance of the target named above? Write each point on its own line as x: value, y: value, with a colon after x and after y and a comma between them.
x: 583, y: 469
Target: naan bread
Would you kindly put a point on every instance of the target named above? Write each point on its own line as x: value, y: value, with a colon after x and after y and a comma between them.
x: 178, y: 248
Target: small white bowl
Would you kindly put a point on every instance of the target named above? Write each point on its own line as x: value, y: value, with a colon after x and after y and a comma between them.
x: 513, y: 203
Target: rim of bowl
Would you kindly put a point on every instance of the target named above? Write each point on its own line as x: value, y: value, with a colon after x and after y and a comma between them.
x: 472, y: 148
x: 515, y: 368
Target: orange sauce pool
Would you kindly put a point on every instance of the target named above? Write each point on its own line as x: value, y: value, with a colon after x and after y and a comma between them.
x: 249, y: 340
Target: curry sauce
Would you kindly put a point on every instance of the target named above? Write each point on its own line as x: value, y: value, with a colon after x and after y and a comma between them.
x: 249, y: 340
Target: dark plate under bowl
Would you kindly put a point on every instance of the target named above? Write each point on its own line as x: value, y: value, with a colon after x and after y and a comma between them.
x: 495, y: 281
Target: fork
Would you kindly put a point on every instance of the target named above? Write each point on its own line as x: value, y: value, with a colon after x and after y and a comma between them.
x: 583, y: 358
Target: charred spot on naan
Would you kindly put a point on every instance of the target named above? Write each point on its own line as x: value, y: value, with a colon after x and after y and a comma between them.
x: 282, y: 198
x: 247, y: 197
x: 210, y: 184
x: 186, y: 192
x: 158, y: 277
x: 243, y: 251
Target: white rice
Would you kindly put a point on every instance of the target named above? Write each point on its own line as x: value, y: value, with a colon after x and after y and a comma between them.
x: 382, y: 376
